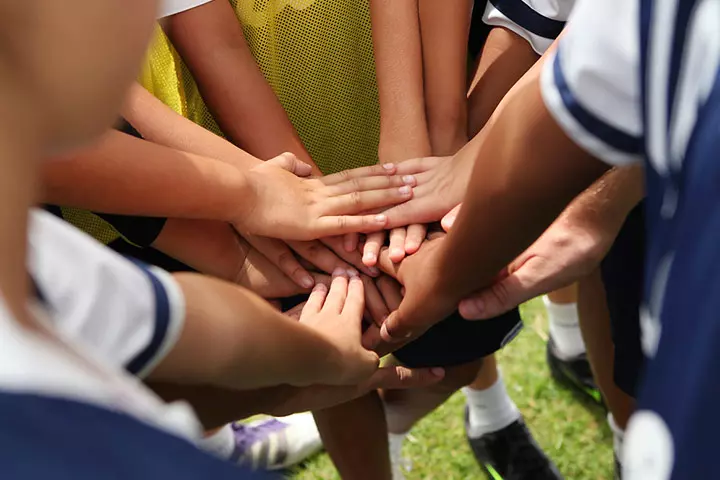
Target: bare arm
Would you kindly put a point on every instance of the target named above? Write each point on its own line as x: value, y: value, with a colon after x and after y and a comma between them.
x: 445, y: 27
x: 211, y: 42
x: 126, y: 175
x: 232, y: 338
x: 526, y: 172
x: 159, y: 124
x: 505, y: 58
x: 398, y: 60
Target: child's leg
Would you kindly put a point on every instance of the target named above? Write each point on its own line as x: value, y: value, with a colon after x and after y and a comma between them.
x: 405, y: 408
x: 445, y: 27
x: 355, y: 437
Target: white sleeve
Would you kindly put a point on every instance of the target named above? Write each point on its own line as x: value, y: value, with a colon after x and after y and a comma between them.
x: 171, y: 7
x: 591, y: 84
x: 129, y: 314
x: 537, y: 21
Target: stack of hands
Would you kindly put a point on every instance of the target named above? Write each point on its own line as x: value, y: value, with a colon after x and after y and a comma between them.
x: 314, y: 229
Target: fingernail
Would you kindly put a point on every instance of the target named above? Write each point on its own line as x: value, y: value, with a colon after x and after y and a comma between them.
x: 388, y: 166
x: 437, y: 371
x: 307, y: 281
x: 369, y: 257
x: 351, y: 272
x: 405, y: 190
x: 408, y: 335
x: 408, y: 179
x: 338, y: 272
x: 320, y: 287
x: 380, y: 218
x: 373, y: 271
x: 397, y: 252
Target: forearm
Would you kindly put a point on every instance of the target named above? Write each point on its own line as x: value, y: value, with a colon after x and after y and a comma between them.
x: 232, y: 338
x: 159, y: 124
x: 208, y: 246
x: 445, y: 28
x: 504, y: 60
x: 527, y: 170
x: 398, y: 61
x: 211, y: 41
x: 125, y: 175
x: 609, y: 200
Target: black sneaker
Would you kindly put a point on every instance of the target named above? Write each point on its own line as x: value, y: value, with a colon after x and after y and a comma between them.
x: 574, y: 372
x: 512, y: 454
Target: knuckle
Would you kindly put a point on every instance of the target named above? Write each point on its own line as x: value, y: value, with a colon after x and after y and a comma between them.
x: 342, y: 222
x: 355, y: 198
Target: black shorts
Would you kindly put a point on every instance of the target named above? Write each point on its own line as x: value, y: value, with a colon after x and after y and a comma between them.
x: 623, y: 273
x: 454, y: 341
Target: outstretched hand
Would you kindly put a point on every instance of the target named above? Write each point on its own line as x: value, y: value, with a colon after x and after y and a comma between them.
x: 290, y: 207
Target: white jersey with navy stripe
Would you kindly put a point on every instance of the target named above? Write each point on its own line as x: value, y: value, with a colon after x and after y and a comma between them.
x: 537, y: 21
x: 130, y: 314
x: 649, y: 89
x: 172, y: 7
x: 43, y: 362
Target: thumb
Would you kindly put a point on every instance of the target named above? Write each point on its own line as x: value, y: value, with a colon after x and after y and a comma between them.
x: 500, y: 297
x: 449, y: 219
x: 288, y: 161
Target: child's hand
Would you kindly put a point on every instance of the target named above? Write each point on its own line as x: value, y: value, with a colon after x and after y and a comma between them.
x: 424, y: 303
x: 337, y: 315
x: 289, y: 207
x: 259, y: 274
x: 403, y: 241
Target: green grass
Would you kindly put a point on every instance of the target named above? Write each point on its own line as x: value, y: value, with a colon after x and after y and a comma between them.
x: 572, y: 431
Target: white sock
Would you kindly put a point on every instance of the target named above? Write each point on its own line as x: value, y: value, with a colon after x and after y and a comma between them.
x: 618, y: 437
x: 489, y: 410
x: 399, y: 463
x: 565, y: 328
x: 221, y: 443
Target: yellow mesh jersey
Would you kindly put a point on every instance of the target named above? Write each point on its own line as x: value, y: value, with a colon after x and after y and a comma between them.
x: 316, y: 55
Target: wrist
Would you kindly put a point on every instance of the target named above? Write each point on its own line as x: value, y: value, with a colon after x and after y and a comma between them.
x: 246, y: 187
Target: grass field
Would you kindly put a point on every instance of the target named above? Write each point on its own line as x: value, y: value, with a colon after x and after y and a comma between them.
x: 573, y: 432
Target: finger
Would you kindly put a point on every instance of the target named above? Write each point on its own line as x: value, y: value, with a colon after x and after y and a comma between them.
x: 338, y: 293
x: 414, y: 238
x: 386, y: 265
x: 371, y: 250
x: 419, y: 165
x: 332, y: 226
x: 397, y: 244
x: 371, y: 337
x: 362, y: 172
x: 369, y: 183
x: 355, y: 301
x: 353, y: 258
x: 291, y: 163
x: 397, y: 377
x: 350, y: 241
x: 315, y: 302
x: 504, y: 295
x: 419, y: 209
x: 374, y: 301
x: 397, y: 331
x: 390, y: 291
x: 282, y: 257
x: 434, y: 235
x: 449, y: 219
x: 320, y: 256
x: 357, y: 202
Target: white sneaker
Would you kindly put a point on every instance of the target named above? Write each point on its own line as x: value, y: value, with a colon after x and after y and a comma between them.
x: 275, y: 443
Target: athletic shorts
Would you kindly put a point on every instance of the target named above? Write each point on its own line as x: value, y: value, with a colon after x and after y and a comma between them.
x: 452, y: 342
x: 622, y: 273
